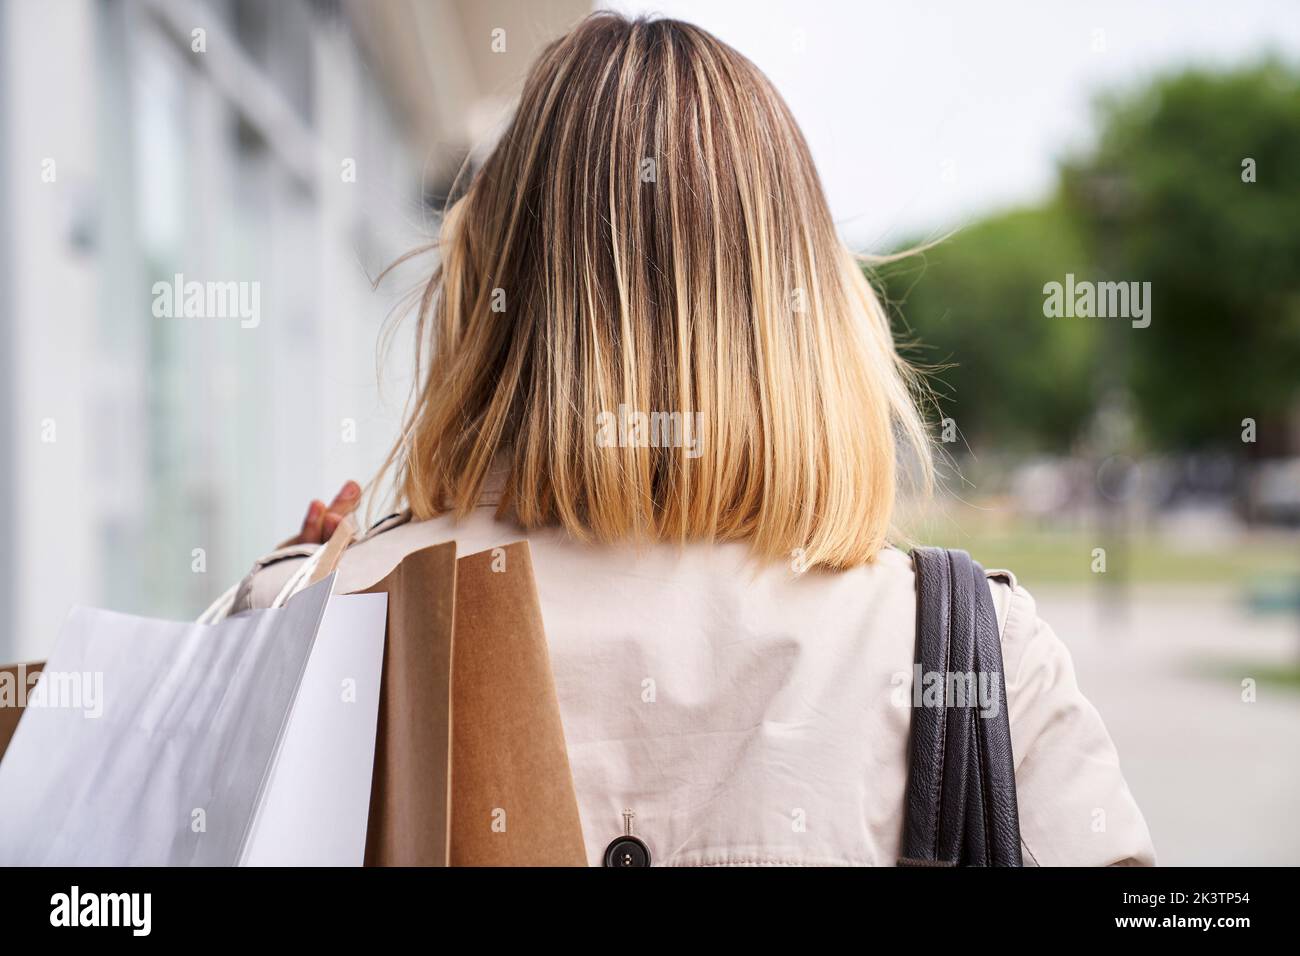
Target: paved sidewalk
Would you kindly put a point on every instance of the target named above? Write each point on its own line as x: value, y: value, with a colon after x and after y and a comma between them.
x: 1218, y: 779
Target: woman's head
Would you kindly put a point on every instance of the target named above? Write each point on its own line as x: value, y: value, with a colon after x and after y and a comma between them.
x: 648, y: 250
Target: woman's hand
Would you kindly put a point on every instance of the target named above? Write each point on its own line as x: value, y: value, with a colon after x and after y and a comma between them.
x: 321, y: 521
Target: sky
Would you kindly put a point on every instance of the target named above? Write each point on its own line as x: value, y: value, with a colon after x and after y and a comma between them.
x: 925, y: 115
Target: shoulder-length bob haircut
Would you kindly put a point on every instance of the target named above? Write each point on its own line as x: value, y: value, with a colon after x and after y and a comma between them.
x: 643, y: 316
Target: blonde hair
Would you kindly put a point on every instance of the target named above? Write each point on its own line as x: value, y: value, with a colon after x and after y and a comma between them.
x: 650, y: 233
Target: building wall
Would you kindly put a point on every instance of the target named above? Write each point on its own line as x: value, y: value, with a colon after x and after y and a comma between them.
x: 148, y: 460
x: 49, y: 112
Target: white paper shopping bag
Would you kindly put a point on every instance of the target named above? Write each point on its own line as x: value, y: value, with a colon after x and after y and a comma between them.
x: 317, y: 805
x: 152, y: 742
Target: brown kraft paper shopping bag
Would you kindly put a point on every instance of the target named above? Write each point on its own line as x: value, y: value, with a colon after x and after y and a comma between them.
x: 410, y: 796
x: 466, y: 650
x: 513, y: 802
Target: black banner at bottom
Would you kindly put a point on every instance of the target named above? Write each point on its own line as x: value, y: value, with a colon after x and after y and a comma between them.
x: 333, y: 906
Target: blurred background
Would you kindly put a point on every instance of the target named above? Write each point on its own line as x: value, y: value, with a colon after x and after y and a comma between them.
x: 1143, y: 482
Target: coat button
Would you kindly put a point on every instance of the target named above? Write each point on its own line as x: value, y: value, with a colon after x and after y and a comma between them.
x: 627, y: 851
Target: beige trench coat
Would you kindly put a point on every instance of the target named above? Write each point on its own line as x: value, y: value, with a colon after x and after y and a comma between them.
x: 750, y: 715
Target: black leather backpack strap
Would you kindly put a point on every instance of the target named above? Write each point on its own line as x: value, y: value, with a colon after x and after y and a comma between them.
x: 961, y: 788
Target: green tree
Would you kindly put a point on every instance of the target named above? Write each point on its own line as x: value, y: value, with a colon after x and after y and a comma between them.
x: 1164, y: 197
x: 1005, y: 373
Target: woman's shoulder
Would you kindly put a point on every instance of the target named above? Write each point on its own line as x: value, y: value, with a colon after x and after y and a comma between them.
x: 1014, y: 606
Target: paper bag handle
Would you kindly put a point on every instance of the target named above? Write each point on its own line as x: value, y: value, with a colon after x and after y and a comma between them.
x: 316, y: 568
x: 321, y: 564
